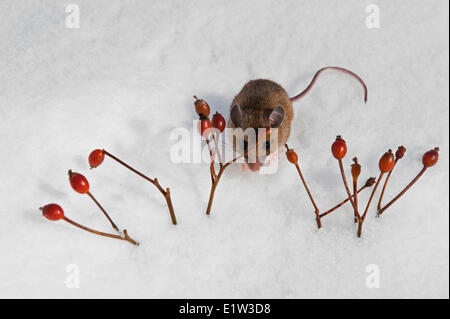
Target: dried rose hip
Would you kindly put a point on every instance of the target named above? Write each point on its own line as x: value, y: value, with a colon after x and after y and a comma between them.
x: 400, y: 152
x: 356, y: 169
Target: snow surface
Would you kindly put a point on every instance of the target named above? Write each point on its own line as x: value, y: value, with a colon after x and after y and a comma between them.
x: 125, y: 79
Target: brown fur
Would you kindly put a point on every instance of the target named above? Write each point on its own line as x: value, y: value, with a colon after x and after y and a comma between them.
x: 257, y: 100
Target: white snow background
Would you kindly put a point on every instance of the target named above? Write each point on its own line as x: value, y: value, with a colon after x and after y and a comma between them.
x: 125, y: 79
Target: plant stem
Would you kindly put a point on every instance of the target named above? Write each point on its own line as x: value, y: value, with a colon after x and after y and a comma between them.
x: 104, y: 211
x: 381, y: 211
x: 341, y: 203
x: 371, y: 195
x: 355, y: 196
x: 214, y: 186
x: 319, y: 223
x: 216, y: 149
x: 165, y: 193
x: 216, y: 178
x: 211, y: 166
x: 126, y: 237
x: 360, y: 224
x: 344, y: 179
x: 384, y: 189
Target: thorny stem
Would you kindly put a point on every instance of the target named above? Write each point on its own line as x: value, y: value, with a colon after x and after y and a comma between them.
x: 126, y: 237
x: 369, y: 183
x: 104, y: 211
x: 381, y: 211
x: 165, y: 193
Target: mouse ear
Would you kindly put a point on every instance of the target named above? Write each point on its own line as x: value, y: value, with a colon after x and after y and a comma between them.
x: 276, y: 117
x: 236, y: 115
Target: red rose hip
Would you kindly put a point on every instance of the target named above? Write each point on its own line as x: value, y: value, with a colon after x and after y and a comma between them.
x: 96, y: 158
x: 387, y: 162
x: 52, y: 212
x: 431, y: 157
x: 204, y: 126
x: 78, y: 182
x: 218, y: 122
x: 339, y: 148
x: 201, y: 107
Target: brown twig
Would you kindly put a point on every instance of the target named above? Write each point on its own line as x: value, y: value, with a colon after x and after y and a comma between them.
x: 369, y: 183
x: 316, y: 209
x: 214, y: 186
x: 363, y: 217
x: 215, y: 179
x: 104, y: 211
x: 381, y: 211
x: 356, y: 171
x: 126, y: 237
x: 216, y: 148
x: 344, y: 179
x: 165, y: 193
x: 293, y: 158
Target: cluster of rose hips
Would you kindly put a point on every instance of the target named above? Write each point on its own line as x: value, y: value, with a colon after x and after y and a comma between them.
x: 205, y: 125
x: 386, y: 165
x: 80, y: 184
x: 211, y: 130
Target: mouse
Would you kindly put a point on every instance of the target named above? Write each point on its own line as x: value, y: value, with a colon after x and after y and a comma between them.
x: 264, y: 103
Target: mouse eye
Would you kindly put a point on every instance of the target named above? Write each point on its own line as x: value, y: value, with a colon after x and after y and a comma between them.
x: 245, y: 145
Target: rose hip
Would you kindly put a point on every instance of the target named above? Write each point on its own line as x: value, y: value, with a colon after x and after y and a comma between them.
x: 204, y: 126
x: 52, y: 212
x: 81, y: 185
x: 201, y: 107
x: 96, y: 158
x: 339, y: 148
x: 218, y: 122
x: 387, y: 162
x: 78, y: 182
x: 431, y: 157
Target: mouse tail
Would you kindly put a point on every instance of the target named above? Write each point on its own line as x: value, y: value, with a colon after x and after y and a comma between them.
x: 335, y: 68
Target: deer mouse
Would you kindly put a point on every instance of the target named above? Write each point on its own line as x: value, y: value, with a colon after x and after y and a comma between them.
x: 264, y: 103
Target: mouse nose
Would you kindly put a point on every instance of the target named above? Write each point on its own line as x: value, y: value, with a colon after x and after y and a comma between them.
x: 254, y: 167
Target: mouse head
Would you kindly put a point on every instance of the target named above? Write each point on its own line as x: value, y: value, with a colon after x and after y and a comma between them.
x: 254, y: 138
